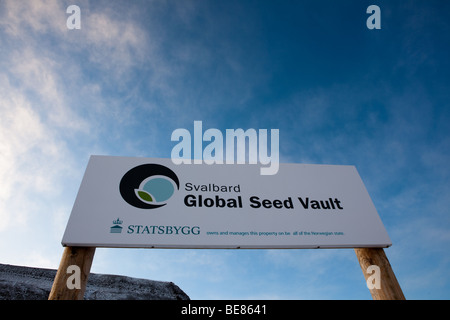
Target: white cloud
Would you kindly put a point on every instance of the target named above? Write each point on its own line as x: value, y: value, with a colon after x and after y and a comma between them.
x: 36, y: 117
x: 41, y: 16
x: 30, y: 154
x: 42, y: 77
x: 108, y: 37
x: 114, y: 43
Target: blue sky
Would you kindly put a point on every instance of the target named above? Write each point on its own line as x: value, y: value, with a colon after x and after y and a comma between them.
x: 136, y: 70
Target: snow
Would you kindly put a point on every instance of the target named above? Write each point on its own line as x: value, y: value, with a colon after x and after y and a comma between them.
x: 26, y: 283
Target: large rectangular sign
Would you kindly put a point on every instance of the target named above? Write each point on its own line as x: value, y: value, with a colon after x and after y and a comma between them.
x: 148, y: 202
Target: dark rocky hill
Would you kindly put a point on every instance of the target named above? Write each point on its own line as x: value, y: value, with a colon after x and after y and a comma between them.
x: 26, y: 283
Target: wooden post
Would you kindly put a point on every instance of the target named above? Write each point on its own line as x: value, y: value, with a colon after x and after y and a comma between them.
x: 389, y: 288
x: 72, y: 256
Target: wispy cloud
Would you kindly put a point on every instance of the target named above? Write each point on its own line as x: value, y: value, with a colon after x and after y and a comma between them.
x: 42, y: 112
x: 23, y: 19
x: 30, y: 154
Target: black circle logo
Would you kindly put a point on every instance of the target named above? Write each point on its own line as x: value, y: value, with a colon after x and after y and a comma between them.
x: 148, y: 186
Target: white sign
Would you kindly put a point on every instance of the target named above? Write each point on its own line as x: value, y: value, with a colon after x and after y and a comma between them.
x: 147, y: 202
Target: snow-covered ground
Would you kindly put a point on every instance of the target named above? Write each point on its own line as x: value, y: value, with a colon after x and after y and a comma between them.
x: 25, y: 283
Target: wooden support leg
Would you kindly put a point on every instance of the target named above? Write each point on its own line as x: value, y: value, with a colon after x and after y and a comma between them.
x: 73, y: 257
x: 389, y: 288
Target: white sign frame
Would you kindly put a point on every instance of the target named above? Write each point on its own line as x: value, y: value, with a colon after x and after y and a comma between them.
x: 346, y: 218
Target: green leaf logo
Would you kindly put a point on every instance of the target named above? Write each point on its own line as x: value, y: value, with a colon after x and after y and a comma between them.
x: 144, y: 195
